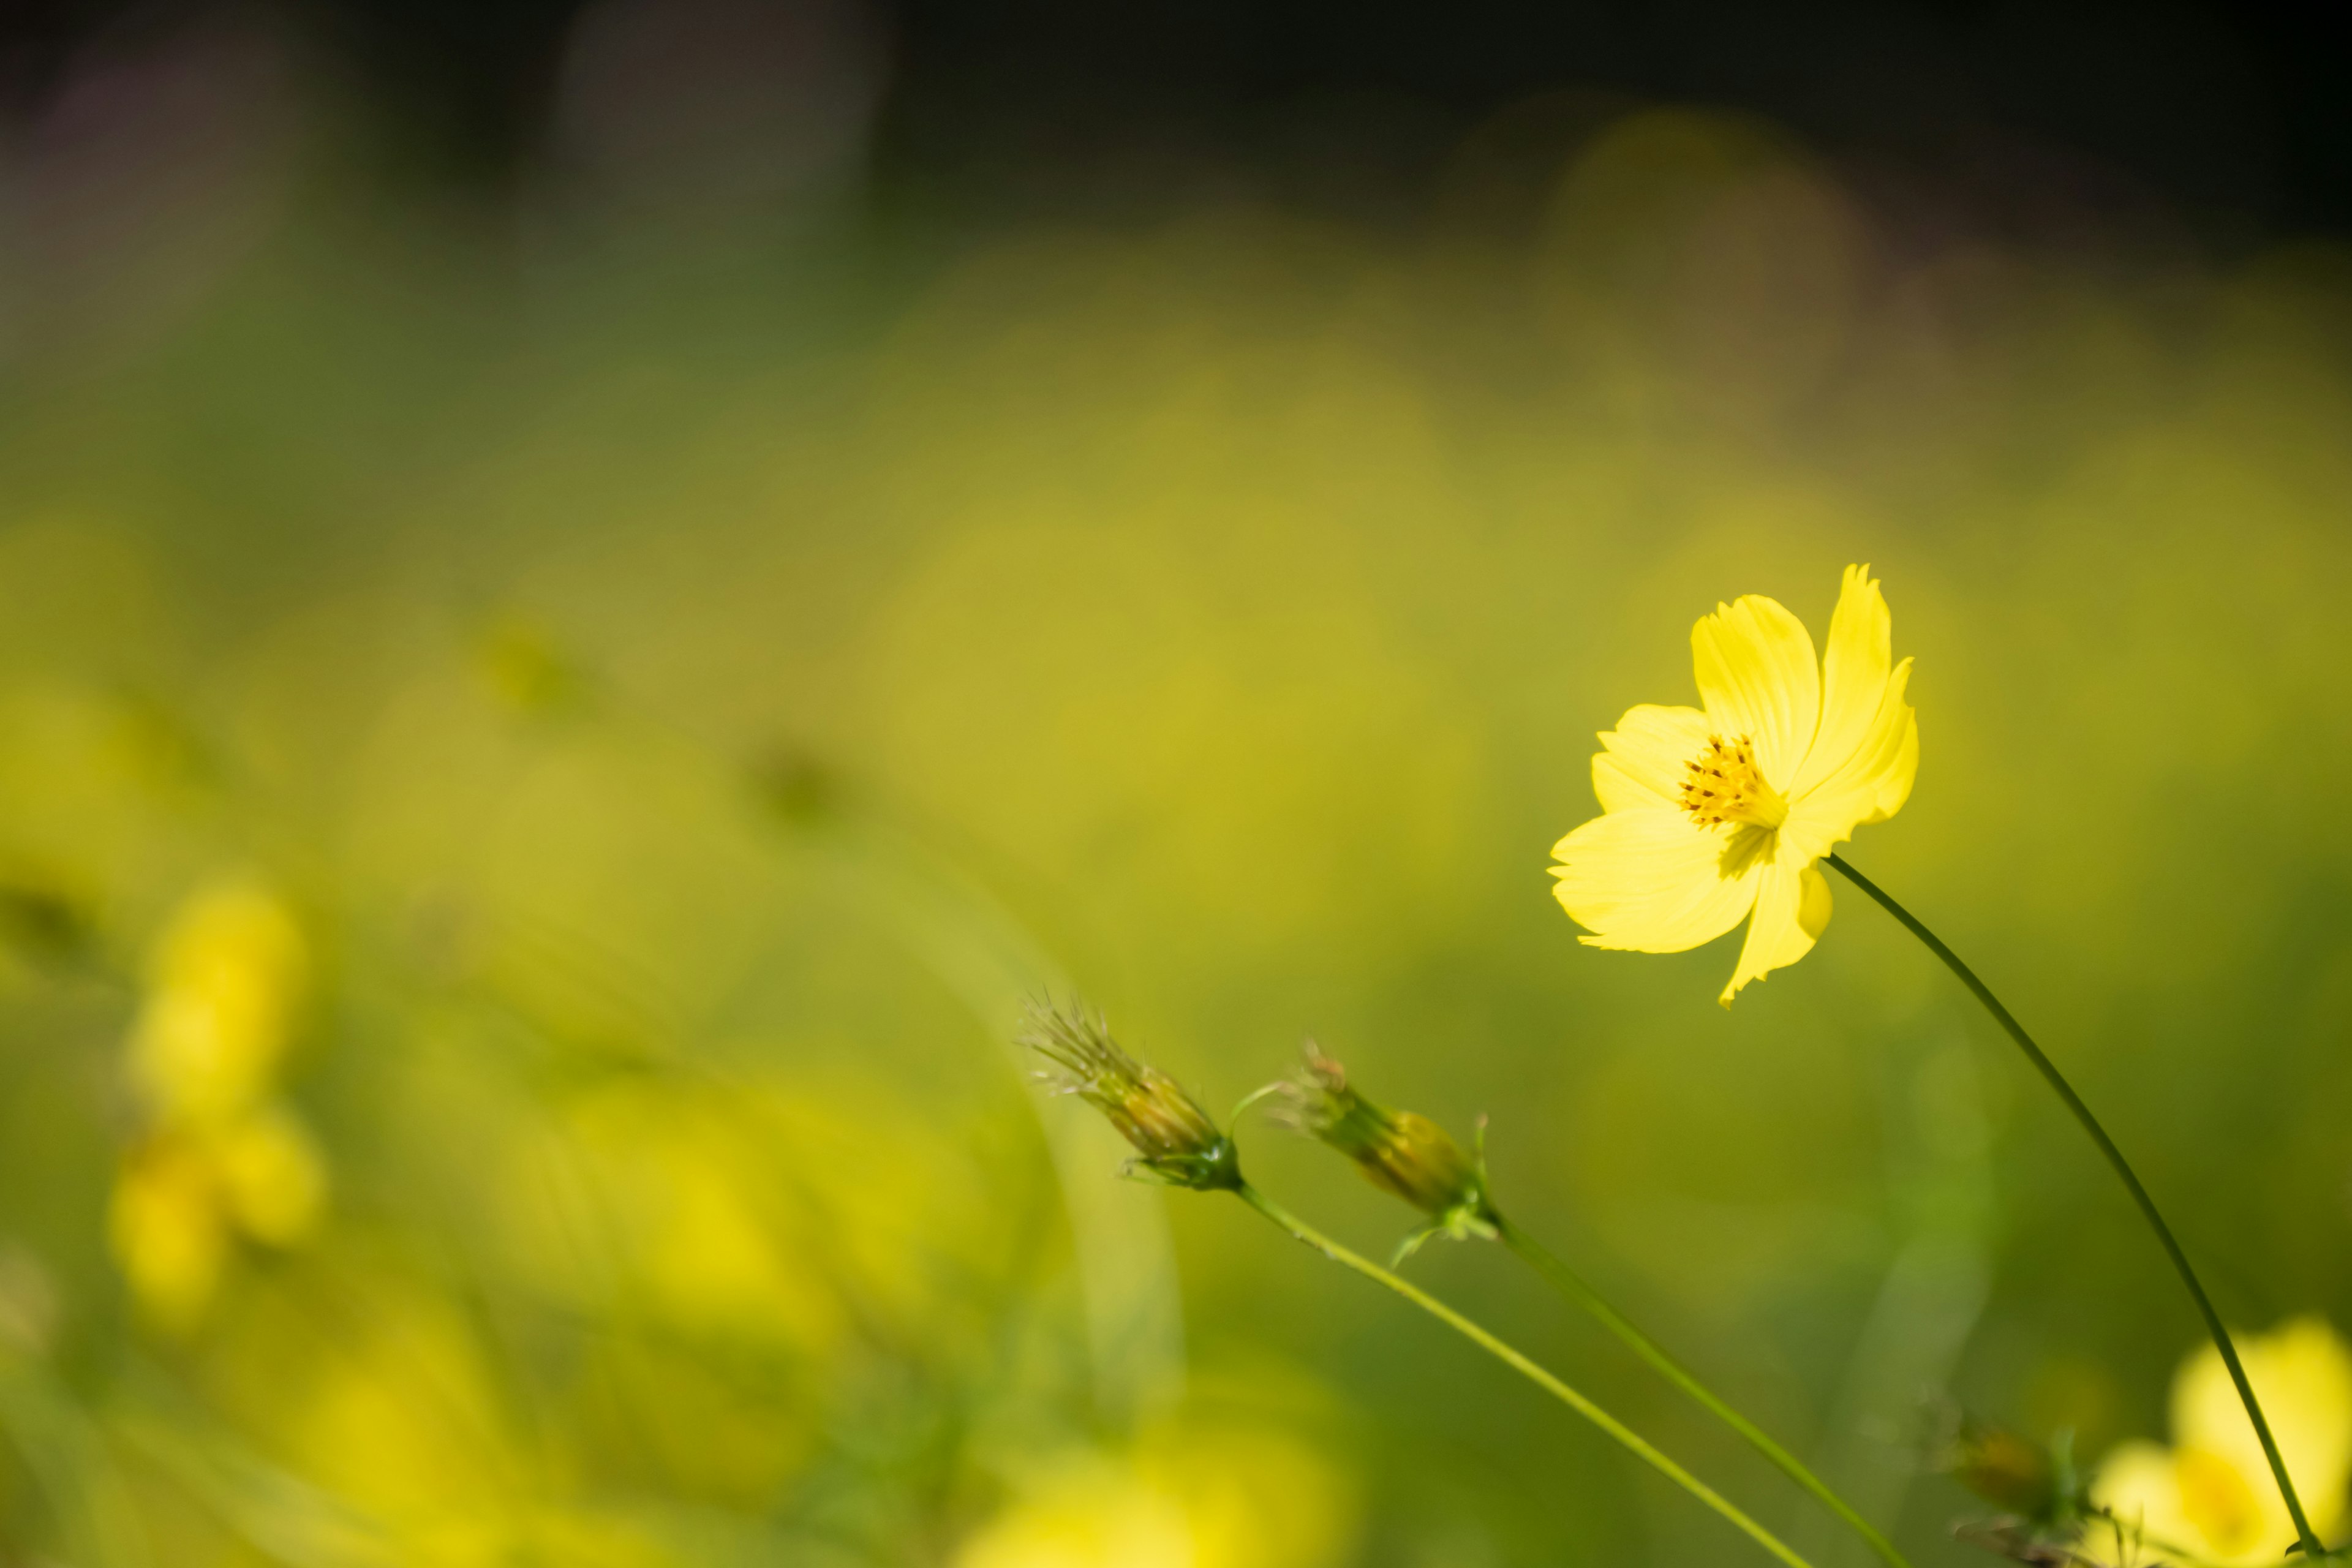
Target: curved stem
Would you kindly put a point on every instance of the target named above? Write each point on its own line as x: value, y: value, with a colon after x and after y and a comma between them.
x: 2114, y: 1156
x: 1570, y: 1285
x: 1299, y: 1231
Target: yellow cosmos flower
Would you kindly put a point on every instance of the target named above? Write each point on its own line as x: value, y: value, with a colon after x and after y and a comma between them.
x: 1716, y: 814
x: 2210, y: 1494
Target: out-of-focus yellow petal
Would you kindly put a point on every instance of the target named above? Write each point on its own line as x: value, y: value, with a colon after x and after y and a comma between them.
x: 2141, y: 1484
x: 1086, y: 1516
x: 397, y: 1411
x: 1792, y: 905
x: 1758, y: 678
x: 1870, y: 785
x: 1252, y: 1495
x: 227, y: 978
x: 2234, y: 1515
x: 1652, y: 881
x: 1854, y: 683
x: 1647, y: 757
x: 168, y: 1233
x: 272, y: 1175
x: 2302, y: 1372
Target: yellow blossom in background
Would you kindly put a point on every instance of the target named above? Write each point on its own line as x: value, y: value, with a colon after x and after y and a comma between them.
x: 1713, y: 815
x: 1225, y: 1495
x: 167, y: 1229
x: 182, y: 1196
x: 225, y: 982
x: 1255, y: 1495
x: 273, y: 1181
x: 1088, y: 1514
x: 2210, y: 1494
x: 221, y: 1158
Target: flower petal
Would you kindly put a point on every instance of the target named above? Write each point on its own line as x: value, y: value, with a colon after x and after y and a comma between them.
x: 1756, y: 675
x: 1854, y: 678
x: 1652, y: 881
x: 2302, y: 1374
x: 1870, y: 785
x: 2140, y: 1485
x: 1647, y: 755
x: 1792, y: 907
x: 2235, y: 1516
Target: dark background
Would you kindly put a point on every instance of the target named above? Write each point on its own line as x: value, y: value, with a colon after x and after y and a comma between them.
x: 2232, y: 117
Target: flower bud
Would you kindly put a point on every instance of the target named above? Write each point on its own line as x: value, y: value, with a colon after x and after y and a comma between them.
x: 1174, y: 1140
x: 2014, y: 1474
x: 1399, y: 1152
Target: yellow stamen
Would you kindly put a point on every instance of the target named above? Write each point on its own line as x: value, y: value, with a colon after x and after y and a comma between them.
x: 1723, y: 784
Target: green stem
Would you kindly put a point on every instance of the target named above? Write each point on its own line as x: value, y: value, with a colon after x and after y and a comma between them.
x: 2141, y: 1539
x: 2065, y: 1091
x: 1300, y: 1231
x: 1571, y: 1286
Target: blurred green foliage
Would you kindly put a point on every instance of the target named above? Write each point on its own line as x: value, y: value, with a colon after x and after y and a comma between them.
x: 675, y: 689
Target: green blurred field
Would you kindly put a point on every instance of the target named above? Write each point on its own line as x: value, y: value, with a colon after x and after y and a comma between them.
x: 683, y: 687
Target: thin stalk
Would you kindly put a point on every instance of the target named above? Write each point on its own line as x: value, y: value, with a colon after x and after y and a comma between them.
x: 2140, y: 1538
x: 1568, y: 1284
x: 2114, y: 1156
x: 1299, y: 1231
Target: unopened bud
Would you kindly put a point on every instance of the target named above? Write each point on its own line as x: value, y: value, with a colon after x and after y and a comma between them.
x: 2015, y: 1474
x: 1175, y: 1142
x: 1400, y: 1151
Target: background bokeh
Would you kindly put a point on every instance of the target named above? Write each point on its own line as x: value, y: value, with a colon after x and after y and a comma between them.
x: 579, y: 624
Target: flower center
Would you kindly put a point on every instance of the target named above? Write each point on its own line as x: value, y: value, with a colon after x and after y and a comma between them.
x: 1723, y: 784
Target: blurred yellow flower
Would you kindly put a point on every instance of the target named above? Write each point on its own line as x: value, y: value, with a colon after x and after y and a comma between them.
x: 1089, y: 1515
x: 220, y: 1157
x: 182, y: 1196
x: 1254, y: 1494
x: 168, y: 1231
x: 1225, y: 1495
x: 1716, y: 814
x: 272, y: 1180
x: 2210, y: 1494
x: 226, y: 980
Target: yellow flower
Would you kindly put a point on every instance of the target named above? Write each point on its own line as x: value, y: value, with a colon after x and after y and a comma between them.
x: 272, y: 1179
x: 184, y: 1194
x: 168, y: 1231
x: 1710, y: 817
x: 1223, y: 1496
x: 227, y: 980
x: 1085, y: 1514
x: 2212, y: 1494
